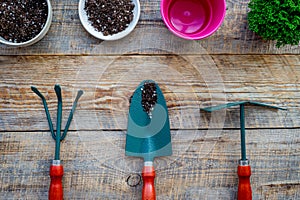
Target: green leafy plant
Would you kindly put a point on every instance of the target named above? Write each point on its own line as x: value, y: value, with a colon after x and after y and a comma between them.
x: 276, y: 20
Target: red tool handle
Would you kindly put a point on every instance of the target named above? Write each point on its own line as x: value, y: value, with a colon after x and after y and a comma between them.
x: 148, y: 175
x: 56, y: 189
x: 244, y: 189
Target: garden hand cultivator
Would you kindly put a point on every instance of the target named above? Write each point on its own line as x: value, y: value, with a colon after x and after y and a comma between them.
x: 56, y: 169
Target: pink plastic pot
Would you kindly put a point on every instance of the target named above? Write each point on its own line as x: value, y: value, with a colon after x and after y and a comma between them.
x: 193, y: 19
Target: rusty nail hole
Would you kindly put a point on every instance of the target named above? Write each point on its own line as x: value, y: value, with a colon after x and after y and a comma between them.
x: 134, y: 180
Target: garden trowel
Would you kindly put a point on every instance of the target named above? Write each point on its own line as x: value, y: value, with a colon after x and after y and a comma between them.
x: 148, y: 132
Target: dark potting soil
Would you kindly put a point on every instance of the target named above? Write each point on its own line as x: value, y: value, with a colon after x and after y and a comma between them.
x: 109, y: 16
x: 149, y: 96
x: 21, y: 21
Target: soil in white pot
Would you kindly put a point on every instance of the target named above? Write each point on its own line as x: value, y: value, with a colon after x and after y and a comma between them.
x: 20, y: 21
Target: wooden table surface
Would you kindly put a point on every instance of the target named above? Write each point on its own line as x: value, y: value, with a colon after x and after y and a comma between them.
x: 233, y: 64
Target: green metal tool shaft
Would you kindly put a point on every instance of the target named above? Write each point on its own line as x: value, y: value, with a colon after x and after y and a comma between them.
x: 79, y: 94
x: 36, y: 91
x: 243, y: 134
x: 58, y: 123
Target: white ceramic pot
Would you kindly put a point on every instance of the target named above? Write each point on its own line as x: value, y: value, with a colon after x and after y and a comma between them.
x: 37, y: 37
x: 89, y: 28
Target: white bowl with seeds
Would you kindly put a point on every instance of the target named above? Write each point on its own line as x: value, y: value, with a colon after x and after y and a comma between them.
x: 23, y: 23
x: 109, y: 20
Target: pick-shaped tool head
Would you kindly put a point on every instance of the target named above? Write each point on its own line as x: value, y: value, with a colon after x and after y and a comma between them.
x: 242, y: 119
x: 223, y: 106
x: 148, y: 131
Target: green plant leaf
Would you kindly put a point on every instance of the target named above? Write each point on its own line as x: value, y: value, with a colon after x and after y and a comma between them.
x: 276, y: 20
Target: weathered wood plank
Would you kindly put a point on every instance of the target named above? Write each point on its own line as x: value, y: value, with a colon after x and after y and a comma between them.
x: 67, y: 36
x: 188, y: 84
x: 192, y: 74
x: 203, y: 165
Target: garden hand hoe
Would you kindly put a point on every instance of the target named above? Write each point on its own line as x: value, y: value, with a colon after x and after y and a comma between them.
x: 244, y: 169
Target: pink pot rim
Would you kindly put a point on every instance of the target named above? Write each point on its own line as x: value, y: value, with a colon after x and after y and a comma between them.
x: 191, y: 36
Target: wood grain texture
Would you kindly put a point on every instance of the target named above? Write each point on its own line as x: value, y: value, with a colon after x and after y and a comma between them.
x: 233, y: 64
x: 67, y: 35
x: 91, y: 173
x: 108, y: 82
